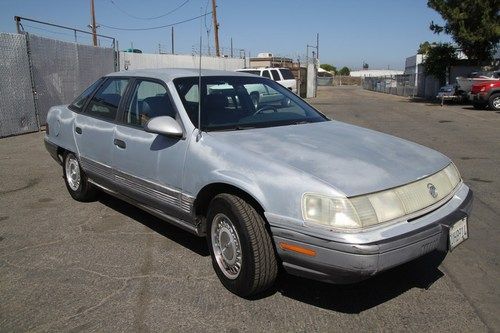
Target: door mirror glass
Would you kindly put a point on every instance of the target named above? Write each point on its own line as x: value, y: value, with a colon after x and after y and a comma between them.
x: 164, y: 125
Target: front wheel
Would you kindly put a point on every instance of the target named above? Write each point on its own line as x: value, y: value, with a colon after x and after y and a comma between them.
x: 76, y: 180
x: 494, y: 102
x: 241, y: 248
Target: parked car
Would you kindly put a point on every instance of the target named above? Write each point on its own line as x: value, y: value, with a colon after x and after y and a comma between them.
x: 486, y: 94
x: 267, y: 186
x: 283, y: 76
x: 449, y: 92
x: 465, y: 83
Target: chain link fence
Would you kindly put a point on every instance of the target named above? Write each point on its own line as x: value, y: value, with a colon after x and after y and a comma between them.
x: 37, y: 73
x: 401, y: 85
x: 17, y: 107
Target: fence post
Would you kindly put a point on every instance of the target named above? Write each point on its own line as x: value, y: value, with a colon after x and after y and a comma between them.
x: 32, y: 80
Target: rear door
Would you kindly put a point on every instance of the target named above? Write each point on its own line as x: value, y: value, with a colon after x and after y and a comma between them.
x: 94, y: 129
x: 148, y: 166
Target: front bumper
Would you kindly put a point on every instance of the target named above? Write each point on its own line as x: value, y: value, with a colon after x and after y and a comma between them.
x: 349, y: 262
x: 481, y: 98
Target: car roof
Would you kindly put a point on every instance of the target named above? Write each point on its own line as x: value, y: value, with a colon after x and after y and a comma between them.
x: 169, y: 74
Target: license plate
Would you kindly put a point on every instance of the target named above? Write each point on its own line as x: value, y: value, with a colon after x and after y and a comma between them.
x: 458, y: 233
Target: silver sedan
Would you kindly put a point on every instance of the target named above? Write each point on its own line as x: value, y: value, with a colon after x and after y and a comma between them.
x: 269, y: 182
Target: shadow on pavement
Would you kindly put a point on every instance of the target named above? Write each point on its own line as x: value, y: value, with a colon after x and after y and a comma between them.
x: 196, y: 244
x: 355, y: 298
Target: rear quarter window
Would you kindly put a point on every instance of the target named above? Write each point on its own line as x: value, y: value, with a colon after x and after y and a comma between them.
x: 79, y: 102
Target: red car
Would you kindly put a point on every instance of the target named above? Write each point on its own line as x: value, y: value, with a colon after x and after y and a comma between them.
x: 486, y: 94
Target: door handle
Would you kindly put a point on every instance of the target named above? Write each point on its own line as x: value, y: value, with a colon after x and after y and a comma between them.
x: 78, y: 130
x: 120, y: 143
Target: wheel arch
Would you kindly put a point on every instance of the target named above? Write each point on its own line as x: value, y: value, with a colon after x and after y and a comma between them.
x: 208, y: 192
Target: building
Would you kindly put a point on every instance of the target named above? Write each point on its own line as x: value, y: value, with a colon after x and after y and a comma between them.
x: 375, y: 72
x: 269, y: 60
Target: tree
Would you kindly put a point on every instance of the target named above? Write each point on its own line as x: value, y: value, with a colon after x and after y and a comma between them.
x: 473, y: 24
x: 424, y: 47
x: 365, y: 65
x: 344, y: 71
x: 439, y: 58
x: 329, y: 68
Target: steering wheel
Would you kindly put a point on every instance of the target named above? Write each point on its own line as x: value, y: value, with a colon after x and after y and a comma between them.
x: 266, y: 107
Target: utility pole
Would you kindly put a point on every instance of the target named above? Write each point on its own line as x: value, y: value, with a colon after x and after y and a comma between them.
x: 216, y: 28
x: 231, y: 47
x: 172, y: 40
x: 92, y: 13
x: 317, y: 46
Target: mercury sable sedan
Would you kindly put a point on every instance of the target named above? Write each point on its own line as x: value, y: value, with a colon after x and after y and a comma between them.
x: 267, y: 183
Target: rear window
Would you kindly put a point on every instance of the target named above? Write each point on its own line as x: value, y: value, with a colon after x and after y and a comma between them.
x: 287, y: 74
x: 251, y: 72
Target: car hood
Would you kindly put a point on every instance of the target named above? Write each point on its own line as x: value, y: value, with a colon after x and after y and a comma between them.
x: 352, y: 159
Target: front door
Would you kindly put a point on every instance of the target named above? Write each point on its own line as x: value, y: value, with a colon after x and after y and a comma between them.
x: 94, y: 130
x: 148, y: 166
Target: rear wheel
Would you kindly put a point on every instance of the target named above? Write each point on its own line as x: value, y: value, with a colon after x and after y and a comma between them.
x: 494, y: 102
x: 76, y: 180
x: 241, y: 248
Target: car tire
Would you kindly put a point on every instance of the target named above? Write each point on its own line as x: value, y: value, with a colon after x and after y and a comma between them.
x: 479, y: 106
x: 494, y: 102
x: 255, y: 100
x: 76, y: 180
x: 243, y: 255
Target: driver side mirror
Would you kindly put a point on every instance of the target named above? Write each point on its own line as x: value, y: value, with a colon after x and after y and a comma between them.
x: 164, y: 125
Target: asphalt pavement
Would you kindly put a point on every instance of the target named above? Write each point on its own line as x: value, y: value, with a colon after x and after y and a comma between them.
x: 107, y: 266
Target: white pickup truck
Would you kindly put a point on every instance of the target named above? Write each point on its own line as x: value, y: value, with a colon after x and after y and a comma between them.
x: 281, y: 75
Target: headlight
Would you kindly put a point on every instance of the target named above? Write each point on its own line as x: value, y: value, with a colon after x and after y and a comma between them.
x: 375, y: 208
x: 330, y: 212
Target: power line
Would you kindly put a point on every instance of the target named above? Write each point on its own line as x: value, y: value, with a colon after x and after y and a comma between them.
x: 158, y: 27
x: 149, y: 18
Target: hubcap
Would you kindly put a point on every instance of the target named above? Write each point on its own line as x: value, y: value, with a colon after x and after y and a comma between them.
x: 226, y: 246
x: 72, y: 173
x: 496, y: 103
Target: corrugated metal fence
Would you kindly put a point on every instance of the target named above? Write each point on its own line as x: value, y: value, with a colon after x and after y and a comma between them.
x: 37, y: 73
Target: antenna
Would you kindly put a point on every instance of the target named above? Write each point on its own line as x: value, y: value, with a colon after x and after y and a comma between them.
x: 198, y: 136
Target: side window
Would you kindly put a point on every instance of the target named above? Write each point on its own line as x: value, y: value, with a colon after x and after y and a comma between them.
x: 79, y: 102
x: 287, y: 74
x: 276, y: 75
x: 266, y: 74
x: 149, y: 100
x: 105, y: 102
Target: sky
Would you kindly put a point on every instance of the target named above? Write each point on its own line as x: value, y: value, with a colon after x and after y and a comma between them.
x: 381, y: 33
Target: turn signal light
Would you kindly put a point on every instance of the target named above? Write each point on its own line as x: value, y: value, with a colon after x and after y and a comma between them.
x: 298, y: 249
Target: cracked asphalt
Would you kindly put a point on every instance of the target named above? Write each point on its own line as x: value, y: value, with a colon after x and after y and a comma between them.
x: 107, y: 266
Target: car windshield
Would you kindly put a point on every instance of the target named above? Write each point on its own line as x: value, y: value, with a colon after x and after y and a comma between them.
x: 241, y: 102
